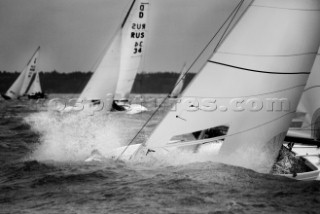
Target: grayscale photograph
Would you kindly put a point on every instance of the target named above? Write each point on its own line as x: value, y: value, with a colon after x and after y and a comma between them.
x: 159, y: 106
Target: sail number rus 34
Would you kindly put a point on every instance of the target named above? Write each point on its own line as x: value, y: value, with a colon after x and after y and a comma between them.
x: 137, y: 32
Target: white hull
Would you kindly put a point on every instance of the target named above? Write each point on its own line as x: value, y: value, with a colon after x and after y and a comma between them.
x: 136, y: 109
x: 305, y: 176
x: 310, y: 156
x: 91, y: 108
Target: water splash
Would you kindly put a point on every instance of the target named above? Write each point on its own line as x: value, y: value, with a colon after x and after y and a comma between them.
x: 178, y: 156
x: 72, y: 136
x: 256, y: 158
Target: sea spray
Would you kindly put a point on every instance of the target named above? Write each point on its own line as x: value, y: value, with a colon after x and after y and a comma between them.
x: 178, y: 156
x: 72, y: 136
x: 263, y: 160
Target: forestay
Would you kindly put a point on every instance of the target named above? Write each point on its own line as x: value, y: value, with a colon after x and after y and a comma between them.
x: 179, y: 84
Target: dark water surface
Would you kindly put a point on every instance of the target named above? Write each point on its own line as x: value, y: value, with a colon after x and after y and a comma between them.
x: 64, y: 183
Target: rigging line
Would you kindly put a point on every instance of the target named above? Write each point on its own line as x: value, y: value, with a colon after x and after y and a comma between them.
x: 282, y: 8
x: 311, y: 87
x: 233, y: 13
x: 232, y: 16
x: 180, y: 77
x: 33, y: 78
x: 256, y: 71
x: 240, y: 132
x: 228, y: 26
x: 260, y: 125
x: 142, y: 64
x: 307, y: 127
x: 33, y: 56
x: 28, y: 68
x: 275, y: 55
x: 127, y: 15
x: 252, y: 95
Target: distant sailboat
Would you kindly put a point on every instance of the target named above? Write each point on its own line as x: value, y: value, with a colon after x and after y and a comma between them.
x: 307, y: 133
x: 115, y: 74
x: 35, y: 91
x: 309, y: 105
x: 179, y: 84
x: 251, y: 85
x: 21, y: 85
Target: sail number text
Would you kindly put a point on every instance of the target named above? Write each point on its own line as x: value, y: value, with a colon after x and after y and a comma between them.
x: 137, y: 32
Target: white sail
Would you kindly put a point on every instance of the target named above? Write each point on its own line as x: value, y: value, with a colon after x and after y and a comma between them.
x: 310, y: 104
x: 266, y: 58
x: 121, y: 57
x: 35, y: 86
x: 179, y: 84
x: 102, y: 84
x: 132, y: 48
x: 19, y: 87
x: 14, y: 91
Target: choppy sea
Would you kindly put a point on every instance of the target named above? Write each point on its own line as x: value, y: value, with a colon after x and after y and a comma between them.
x: 42, y: 170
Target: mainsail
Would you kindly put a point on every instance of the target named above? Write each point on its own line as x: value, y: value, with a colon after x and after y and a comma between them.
x: 103, y: 82
x: 310, y: 99
x: 119, y: 65
x: 253, y: 83
x: 309, y: 106
x: 20, y: 85
x: 132, y: 49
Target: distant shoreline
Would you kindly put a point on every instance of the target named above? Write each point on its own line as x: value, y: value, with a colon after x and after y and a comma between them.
x: 74, y: 82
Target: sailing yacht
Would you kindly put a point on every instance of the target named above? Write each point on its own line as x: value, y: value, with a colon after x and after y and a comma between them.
x: 304, y: 137
x: 249, y: 87
x: 113, y: 79
x: 21, y: 86
x: 309, y: 106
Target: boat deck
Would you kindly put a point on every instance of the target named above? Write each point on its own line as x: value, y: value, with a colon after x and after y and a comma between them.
x: 310, y: 153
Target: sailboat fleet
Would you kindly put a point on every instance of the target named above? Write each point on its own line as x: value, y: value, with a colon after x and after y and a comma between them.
x: 249, y: 86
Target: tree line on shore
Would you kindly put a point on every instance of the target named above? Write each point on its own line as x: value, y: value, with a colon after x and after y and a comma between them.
x: 74, y: 82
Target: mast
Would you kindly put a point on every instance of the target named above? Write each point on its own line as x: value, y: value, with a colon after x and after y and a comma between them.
x: 252, y: 84
x: 180, y: 82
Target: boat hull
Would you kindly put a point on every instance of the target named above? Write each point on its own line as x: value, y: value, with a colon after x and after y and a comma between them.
x: 5, y: 97
x: 305, y: 176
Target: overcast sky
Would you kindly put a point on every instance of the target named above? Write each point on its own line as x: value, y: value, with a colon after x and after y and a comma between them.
x: 73, y: 33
